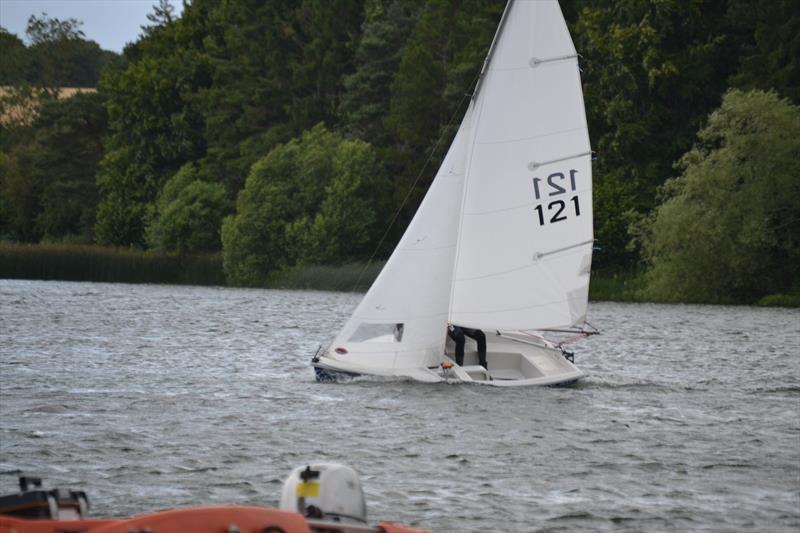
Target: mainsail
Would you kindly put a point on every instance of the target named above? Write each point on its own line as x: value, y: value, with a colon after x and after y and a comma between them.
x: 503, y: 238
x: 525, y: 227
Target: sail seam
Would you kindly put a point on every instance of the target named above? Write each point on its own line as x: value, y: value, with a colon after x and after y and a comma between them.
x: 413, y: 248
x: 542, y: 136
x: 494, y: 311
x: 382, y: 320
x: 512, y: 208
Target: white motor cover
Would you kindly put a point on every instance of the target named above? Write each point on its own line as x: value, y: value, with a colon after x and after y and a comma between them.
x: 338, y: 494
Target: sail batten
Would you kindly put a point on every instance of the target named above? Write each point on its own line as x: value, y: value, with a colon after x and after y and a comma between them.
x: 535, y: 61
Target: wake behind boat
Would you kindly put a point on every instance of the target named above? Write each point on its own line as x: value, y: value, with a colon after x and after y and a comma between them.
x: 502, y: 242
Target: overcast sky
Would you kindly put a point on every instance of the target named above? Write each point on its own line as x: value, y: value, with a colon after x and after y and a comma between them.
x: 111, y: 23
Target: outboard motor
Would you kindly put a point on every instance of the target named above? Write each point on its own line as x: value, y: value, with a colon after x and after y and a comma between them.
x: 325, y: 491
x: 34, y: 502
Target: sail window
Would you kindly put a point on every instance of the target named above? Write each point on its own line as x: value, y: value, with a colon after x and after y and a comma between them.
x: 371, y: 332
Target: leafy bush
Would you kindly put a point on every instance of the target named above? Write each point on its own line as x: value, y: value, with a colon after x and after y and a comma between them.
x: 187, y: 215
x: 729, y: 227
x: 311, y: 200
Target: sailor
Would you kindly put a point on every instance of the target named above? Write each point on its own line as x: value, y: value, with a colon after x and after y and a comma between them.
x: 457, y: 334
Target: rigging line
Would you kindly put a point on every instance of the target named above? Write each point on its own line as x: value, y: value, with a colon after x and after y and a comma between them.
x: 595, y: 328
x: 414, y: 184
x: 476, y: 83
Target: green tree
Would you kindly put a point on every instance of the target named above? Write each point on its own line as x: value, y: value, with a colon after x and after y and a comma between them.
x: 430, y: 91
x: 771, y: 58
x: 49, y: 185
x: 439, y: 67
x: 652, y: 71
x: 188, y: 214
x: 13, y: 60
x: 277, y: 70
x: 312, y: 199
x: 729, y: 228
x: 344, y: 227
x: 365, y: 102
x: 59, y: 56
x: 245, y: 105
x: 155, y: 127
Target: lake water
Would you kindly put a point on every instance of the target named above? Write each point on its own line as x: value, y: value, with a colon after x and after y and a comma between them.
x: 150, y: 397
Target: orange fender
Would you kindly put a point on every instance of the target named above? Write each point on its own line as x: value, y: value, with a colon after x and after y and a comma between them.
x: 195, y: 519
x: 394, y: 528
x: 21, y: 525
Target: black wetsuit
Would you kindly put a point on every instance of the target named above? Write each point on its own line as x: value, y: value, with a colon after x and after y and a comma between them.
x: 457, y: 334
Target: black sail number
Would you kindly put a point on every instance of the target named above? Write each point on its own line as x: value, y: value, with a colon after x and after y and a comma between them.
x: 557, y: 189
x: 556, y: 185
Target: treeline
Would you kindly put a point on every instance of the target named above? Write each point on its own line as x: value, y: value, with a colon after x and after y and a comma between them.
x: 289, y: 133
x: 58, y: 56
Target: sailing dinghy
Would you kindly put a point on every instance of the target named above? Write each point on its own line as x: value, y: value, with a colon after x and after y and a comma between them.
x: 502, y: 241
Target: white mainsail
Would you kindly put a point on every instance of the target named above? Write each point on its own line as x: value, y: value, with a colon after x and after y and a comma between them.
x: 525, y: 240
x: 503, y: 238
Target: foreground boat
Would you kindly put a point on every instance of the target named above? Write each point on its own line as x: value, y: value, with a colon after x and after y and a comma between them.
x: 320, y: 498
x: 502, y: 242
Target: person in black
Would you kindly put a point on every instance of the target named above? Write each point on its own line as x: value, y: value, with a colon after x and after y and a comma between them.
x: 457, y: 334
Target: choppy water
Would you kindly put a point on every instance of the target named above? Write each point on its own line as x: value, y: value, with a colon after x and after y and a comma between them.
x: 158, y: 396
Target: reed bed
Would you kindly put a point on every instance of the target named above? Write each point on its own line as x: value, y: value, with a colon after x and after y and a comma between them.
x: 72, y: 262
x: 345, y: 278
x: 614, y: 287
x: 350, y: 277
x: 78, y: 262
x: 781, y: 300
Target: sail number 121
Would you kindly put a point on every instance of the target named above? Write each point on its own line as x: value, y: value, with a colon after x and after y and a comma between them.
x: 556, y: 184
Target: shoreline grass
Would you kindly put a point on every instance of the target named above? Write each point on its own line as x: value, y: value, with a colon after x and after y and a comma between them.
x: 615, y: 287
x: 72, y: 262
x: 350, y: 277
x: 79, y: 262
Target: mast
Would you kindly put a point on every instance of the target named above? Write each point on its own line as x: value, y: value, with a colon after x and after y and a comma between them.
x: 489, y: 55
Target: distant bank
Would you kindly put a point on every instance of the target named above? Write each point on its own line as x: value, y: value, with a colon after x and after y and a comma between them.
x: 70, y: 262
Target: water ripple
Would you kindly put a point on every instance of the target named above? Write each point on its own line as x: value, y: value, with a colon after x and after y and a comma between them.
x: 158, y: 396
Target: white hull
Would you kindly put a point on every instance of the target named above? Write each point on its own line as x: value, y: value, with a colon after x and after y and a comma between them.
x: 513, y: 360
